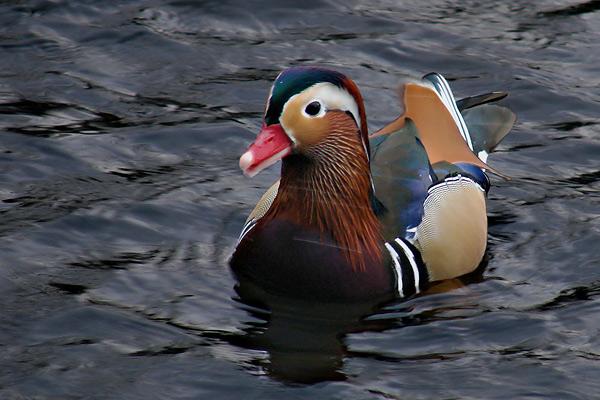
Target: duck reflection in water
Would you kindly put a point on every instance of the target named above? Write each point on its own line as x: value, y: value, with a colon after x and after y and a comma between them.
x: 306, y: 341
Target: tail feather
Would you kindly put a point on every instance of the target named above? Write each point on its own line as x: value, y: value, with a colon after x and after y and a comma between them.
x: 473, y: 101
x: 488, y: 125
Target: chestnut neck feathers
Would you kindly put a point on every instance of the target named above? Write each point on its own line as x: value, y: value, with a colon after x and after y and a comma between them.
x: 328, y: 188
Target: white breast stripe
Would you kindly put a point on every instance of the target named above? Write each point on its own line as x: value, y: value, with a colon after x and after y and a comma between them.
x: 247, y: 228
x: 411, y: 260
x: 397, y: 267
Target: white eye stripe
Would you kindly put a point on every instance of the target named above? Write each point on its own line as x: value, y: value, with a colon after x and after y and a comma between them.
x: 333, y: 97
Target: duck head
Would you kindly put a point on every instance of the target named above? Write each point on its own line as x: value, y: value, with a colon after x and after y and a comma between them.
x: 305, y: 105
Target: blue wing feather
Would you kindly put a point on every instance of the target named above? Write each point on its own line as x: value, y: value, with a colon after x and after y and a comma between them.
x: 401, y: 176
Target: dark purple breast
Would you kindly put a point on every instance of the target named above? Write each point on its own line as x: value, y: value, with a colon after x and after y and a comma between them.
x: 285, y: 259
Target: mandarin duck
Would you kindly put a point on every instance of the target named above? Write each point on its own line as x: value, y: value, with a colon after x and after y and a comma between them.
x: 355, y: 217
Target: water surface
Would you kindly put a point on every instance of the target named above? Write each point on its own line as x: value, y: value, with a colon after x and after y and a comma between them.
x: 121, y: 200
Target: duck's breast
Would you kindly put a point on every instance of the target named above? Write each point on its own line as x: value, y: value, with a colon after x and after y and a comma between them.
x: 295, y: 261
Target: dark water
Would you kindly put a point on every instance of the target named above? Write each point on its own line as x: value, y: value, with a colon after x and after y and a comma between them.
x: 120, y: 201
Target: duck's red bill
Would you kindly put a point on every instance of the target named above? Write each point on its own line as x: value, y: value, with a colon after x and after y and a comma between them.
x: 270, y: 146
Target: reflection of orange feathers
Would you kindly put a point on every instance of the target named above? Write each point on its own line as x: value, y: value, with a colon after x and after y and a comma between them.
x: 436, y: 127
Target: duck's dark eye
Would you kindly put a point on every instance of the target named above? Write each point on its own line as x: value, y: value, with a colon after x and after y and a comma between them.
x: 313, y: 108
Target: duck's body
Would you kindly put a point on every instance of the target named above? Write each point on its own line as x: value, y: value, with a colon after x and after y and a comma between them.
x: 354, y: 219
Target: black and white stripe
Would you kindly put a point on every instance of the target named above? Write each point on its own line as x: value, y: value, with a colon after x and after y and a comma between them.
x: 247, y: 228
x: 443, y: 90
x: 453, y: 180
x: 411, y: 272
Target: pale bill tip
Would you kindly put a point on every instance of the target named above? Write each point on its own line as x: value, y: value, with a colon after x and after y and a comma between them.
x: 246, y: 161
